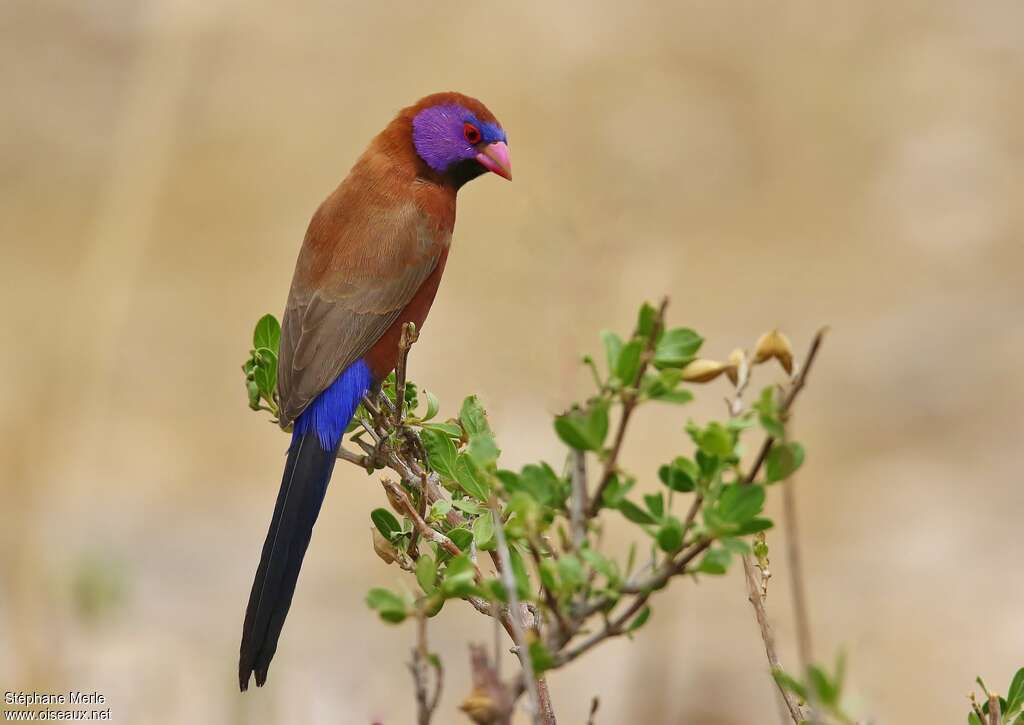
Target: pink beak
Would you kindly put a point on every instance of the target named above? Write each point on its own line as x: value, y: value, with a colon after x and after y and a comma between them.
x: 495, y: 158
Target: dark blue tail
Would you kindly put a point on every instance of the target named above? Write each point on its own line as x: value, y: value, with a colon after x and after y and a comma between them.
x: 310, y: 463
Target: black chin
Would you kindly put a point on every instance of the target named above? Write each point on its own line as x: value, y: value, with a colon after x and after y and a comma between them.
x: 463, y: 171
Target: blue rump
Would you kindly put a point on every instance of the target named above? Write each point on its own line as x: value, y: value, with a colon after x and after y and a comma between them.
x: 330, y: 412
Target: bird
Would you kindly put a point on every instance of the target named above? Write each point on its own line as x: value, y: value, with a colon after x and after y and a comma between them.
x: 371, y: 261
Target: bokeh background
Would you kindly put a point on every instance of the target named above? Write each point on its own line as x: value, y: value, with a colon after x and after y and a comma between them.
x: 856, y: 164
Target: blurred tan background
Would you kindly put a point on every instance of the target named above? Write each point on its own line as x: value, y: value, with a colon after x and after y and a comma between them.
x: 793, y: 164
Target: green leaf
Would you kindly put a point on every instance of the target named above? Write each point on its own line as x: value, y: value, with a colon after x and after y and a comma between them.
x: 1015, y: 695
x: 768, y: 413
x: 716, y: 561
x: 458, y: 576
x: 474, y: 418
x: 612, y: 348
x: 739, y: 503
x: 439, y: 510
x: 639, y: 620
x: 541, y: 482
x: 655, y: 504
x: 635, y: 514
x: 253, y: 391
x: 827, y: 692
x: 440, y: 452
x: 483, y: 531
x: 570, y: 570
x: 467, y: 506
x: 265, y: 373
x: 541, y: 659
x: 629, y: 362
x: 753, y: 526
x: 584, y: 429
x: 521, y: 574
x: 681, y: 475
x: 662, y: 386
x: 547, y: 571
x: 600, y: 564
x: 716, y: 440
x: 676, y: 348
x: 616, y: 491
x: 389, y: 606
x: 461, y: 537
x: 483, y: 449
x: 646, y: 319
x: 448, y: 429
x: 433, y: 405
x: 788, y: 683
x: 426, y: 573
x: 783, y: 460
x: 973, y: 719
x: 472, y: 480
x: 670, y: 535
x: 267, y: 334
x: 385, y: 522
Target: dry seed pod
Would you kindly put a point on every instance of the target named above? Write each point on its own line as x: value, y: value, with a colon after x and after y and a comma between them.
x: 774, y: 345
x: 384, y: 548
x: 481, y: 708
x: 702, y: 371
x: 737, y: 362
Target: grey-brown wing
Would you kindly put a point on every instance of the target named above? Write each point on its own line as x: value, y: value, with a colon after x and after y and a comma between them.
x: 325, y: 332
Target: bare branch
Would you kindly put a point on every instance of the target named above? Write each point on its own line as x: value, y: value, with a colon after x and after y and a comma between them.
x: 405, y: 343
x: 755, y: 588
x: 518, y: 632
x: 994, y: 716
x: 426, y: 702
x: 796, y: 576
x: 754, y: 592
x: 363, y: 461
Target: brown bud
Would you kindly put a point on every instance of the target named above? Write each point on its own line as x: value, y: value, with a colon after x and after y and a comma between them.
x: 774, y: 345
x: 702, y: 371
x: 384, y: 548
x: 481, y: 708
x: 737, y: 365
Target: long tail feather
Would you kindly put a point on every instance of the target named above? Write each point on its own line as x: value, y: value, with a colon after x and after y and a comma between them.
x: 303, y: 486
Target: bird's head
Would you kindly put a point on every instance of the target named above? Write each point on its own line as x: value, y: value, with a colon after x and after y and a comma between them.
x: 458, y: 138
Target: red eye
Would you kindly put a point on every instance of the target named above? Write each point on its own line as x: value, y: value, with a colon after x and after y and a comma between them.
x: 471, y: 132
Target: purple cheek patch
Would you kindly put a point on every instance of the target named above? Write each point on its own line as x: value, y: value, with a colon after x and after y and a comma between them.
x: 437, y: 135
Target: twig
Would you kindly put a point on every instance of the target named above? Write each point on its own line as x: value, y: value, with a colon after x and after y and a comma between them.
x: 426, y: 703
x: 518, y: 633
x: 361, y: 460
x: 754, y: 591
x: 395, y: 493
x: 994, y: 715
x: 563, y: 627
x: 787, y: 402
x: 616, y: 626
x: 595, y: 703
x: 405, y: 343
x: 579, y: 499
x: 630, y: 398
x: 796, y: 578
